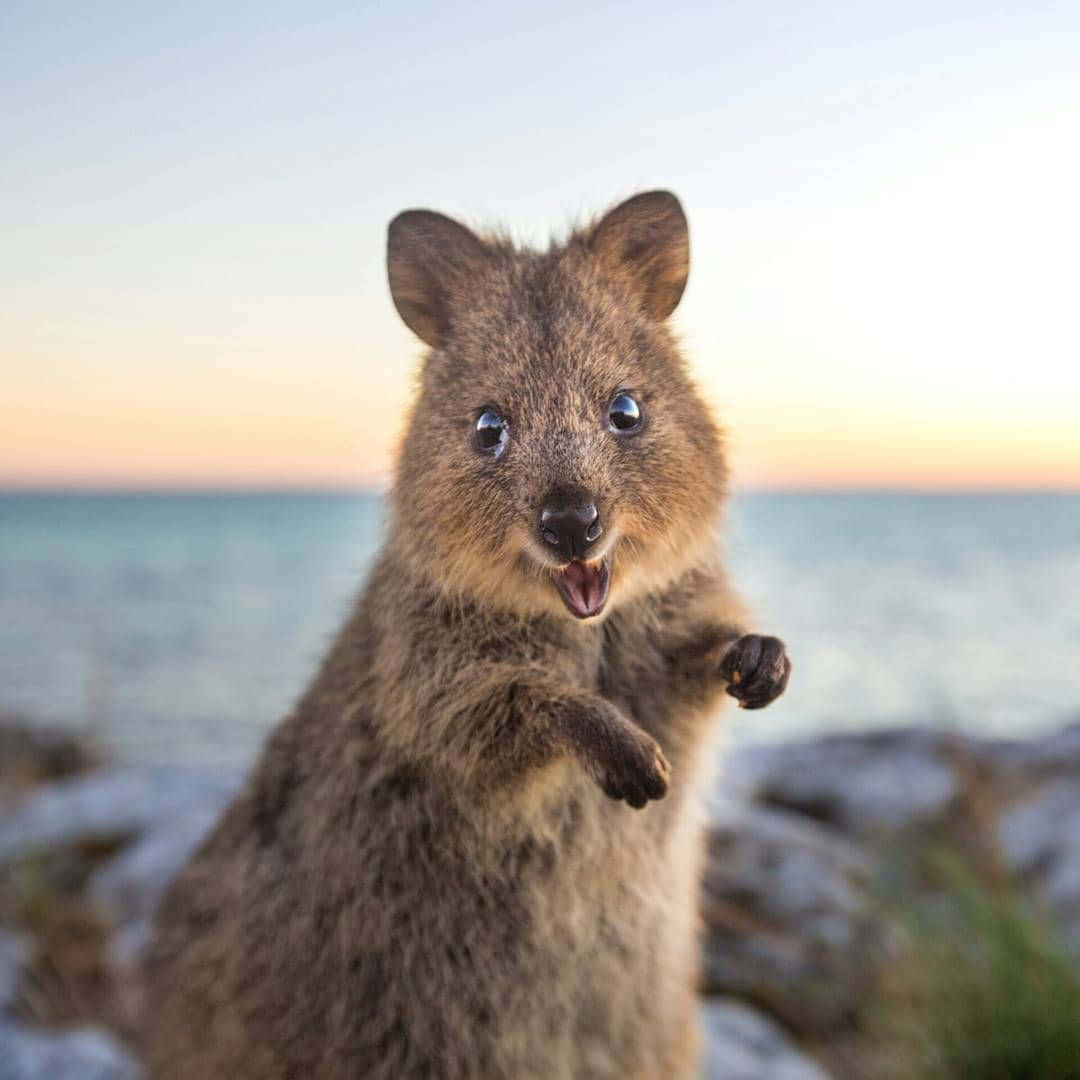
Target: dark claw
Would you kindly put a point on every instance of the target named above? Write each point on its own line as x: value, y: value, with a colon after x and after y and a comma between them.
x: 655, y: 785
x: 639, y: 774
x: 756, y: 669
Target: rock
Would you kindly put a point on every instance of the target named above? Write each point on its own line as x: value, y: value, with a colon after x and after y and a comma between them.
x: 31, y: 755
x: 1030, y: 761
x: 128, y: 889
x: 84, y: 1054
x: 741, y: 1044
x: 14, y: 953
x: 116, y: 804
x: 130, y: 885
x: 50, y: 753
x: 127, y: 946
x: 1039, y: 838
x: 883, y: 781
x: 788, y: 918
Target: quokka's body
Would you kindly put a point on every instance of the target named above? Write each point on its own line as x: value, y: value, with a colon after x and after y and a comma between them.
x: 473, y: 848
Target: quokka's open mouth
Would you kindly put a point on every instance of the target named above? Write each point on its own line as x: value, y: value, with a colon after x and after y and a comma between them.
x: 583, y: 586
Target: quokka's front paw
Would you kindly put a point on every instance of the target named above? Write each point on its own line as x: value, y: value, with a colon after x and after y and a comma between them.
x: 635, y: 769
x: 756, y: 669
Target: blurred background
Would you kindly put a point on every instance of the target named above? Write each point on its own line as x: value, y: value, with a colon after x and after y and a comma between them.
x: 882, y: 306
x: 202, y: 376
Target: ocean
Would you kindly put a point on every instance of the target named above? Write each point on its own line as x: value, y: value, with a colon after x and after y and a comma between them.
x: 182, y: 627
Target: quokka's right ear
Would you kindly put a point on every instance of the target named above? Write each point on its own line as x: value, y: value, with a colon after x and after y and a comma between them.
x: 430, y: 260
x: 645, y: 243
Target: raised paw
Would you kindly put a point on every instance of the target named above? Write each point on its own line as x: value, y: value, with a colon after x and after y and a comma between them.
x: 756, y: 669
x: 635, y: 770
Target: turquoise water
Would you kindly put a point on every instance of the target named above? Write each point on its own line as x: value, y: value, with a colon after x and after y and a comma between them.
x: 181, y: 627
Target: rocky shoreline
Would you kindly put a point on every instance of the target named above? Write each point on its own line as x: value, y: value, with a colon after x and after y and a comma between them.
x: 808, y: 842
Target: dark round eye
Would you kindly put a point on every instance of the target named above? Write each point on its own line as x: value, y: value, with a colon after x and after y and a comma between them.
x: 492, y: 432
x: 624, y: 413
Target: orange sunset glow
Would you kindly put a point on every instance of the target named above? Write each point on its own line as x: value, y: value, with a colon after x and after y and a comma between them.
x: 883, y: 279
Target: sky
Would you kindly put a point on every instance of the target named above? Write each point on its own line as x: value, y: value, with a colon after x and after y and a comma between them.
x: 883, y: 200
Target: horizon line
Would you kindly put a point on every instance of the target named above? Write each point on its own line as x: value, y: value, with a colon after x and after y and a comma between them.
x: 341, y: 490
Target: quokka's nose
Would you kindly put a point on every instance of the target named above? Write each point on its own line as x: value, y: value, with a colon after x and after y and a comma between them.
x: 570, y: 526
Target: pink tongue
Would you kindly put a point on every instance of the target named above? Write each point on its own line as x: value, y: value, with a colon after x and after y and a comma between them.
x: 584, y: 583
x: 583, y: 587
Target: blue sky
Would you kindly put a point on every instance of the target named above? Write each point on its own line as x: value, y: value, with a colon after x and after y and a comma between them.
x: 193, y: 200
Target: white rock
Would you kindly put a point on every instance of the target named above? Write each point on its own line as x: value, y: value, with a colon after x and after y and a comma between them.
x: 117, y: 803
x: 83, y: 1054
x: 1051, y: 755
x: 128, y: 889
x: 742, y: 1044
x: 880, y: 781
x: 1040, y: 839
x: 1036, y: 831
x: 14, y: 953
x: 129, y: 886
x: 788, y: 921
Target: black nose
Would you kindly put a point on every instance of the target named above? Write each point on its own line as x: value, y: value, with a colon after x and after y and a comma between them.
x: 570, y: 525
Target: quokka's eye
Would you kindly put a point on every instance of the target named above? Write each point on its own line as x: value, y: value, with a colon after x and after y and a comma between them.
x: 492, y: 432
x: 624, y: 414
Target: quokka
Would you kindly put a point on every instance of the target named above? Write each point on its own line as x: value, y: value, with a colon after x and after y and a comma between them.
x: 473, y: 848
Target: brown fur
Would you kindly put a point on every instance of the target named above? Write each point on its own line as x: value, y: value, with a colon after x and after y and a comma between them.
x: 433, y: 871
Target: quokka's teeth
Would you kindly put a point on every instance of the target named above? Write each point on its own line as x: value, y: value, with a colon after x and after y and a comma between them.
x: 583, y: 586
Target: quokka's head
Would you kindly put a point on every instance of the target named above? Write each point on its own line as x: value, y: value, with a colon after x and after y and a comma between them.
x: 557, y: 457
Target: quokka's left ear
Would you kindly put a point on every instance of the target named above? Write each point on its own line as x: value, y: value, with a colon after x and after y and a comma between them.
x: 645, y: 243
x: 431, y: 261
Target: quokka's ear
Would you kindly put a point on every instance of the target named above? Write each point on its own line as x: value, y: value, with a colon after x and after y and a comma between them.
x: 645, y: 241
x: 430, y: 260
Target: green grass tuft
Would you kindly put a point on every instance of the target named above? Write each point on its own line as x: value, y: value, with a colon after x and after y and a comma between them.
x: 988, y: 993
